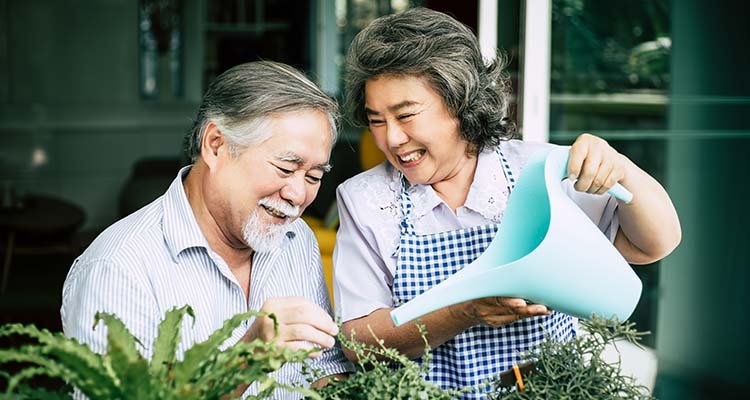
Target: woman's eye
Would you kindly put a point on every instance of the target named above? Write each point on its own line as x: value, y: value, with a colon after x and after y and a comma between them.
x: 376, y: 122
x: 405, y: 116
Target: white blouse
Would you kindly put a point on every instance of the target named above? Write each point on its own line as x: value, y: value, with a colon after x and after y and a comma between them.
x: 364, y: 258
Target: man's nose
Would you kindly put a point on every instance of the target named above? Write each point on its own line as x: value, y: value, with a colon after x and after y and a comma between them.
x: 294, y: 190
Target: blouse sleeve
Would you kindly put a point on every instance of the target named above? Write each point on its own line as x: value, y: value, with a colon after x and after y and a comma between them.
x: 601, y: 209
x: 361, y: 278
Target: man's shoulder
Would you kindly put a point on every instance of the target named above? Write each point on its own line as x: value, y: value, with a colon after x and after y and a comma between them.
x: 136, y: 233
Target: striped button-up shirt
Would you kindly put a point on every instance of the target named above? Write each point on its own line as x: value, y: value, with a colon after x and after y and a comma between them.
x: 157, y: 258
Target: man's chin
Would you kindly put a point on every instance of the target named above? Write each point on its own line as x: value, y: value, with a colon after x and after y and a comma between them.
x: 265, y: 242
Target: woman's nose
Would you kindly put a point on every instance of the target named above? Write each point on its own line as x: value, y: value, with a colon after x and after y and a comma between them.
x: 395, y: 136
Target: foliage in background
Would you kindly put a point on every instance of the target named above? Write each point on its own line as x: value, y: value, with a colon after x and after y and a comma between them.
x: 601, y: 48
x: 205, y: 371
x: 576, y: 370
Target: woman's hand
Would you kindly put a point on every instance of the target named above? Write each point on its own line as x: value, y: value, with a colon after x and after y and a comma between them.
x: 497, y: 311
x: 595, y: 165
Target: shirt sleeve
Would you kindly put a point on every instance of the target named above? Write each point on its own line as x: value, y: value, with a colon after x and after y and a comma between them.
x: 332, y: 361
x: 600, y: 208
x: 360, y: 275
x: 102, y: 286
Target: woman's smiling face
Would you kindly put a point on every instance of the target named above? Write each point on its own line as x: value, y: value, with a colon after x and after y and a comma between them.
x: 414, y: 128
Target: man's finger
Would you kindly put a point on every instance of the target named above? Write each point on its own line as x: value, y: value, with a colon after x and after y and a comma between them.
x: 307, y: 333
x: 300, y: 345
x: 298, y: 310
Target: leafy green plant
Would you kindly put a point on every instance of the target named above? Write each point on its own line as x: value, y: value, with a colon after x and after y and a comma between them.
x: 204, y: 372
x: 575, y: 369
x: 563, y: 370
x: 384, y: 373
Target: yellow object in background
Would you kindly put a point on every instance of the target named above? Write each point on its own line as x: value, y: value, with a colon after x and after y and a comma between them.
x: 325, y: 229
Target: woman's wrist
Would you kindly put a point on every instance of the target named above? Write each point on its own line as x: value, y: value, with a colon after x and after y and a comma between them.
x: 463, y: 314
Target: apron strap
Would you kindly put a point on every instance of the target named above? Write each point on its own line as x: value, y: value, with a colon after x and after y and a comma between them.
x: 406, y: 205
x: 506, y: 170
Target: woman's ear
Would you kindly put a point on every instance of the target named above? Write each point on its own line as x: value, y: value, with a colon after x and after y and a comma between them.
x: 213, y: 144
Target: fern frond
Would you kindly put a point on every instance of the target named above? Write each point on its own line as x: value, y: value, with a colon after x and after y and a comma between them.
x: 185, y: 370
x: 167, y: 341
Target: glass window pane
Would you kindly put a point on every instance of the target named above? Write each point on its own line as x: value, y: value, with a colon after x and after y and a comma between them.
x: 610, y: 75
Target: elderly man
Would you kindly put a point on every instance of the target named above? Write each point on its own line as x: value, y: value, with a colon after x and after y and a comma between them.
x: 225, y: 238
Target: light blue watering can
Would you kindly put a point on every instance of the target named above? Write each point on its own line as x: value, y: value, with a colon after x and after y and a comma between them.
x: 546, y: 251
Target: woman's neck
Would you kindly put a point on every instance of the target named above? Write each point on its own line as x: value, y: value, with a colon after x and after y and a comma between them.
x: 454, y: 189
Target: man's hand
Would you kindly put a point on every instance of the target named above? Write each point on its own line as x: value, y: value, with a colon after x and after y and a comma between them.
x: 302, y: 325
x: 497, y: 311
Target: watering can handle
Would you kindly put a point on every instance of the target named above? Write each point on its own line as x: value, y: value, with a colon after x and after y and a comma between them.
x: 620, y: 193
x: 617, y: 191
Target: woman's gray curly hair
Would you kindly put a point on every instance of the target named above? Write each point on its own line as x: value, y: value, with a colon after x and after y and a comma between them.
x: 431, y: 45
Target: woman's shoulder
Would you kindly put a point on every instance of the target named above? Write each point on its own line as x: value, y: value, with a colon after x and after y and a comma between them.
x: 375, y: 189
x: 380, y: 177
x: 517, y: 152
x: 521, y: 147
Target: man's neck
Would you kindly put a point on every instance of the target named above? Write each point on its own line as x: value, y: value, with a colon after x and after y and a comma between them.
x: 232, y: 250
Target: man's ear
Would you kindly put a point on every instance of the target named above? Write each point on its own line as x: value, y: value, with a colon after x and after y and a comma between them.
x: 213, y: 144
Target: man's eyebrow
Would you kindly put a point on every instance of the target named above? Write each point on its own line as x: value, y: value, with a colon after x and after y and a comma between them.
x: 296, y: 159
x: 393, y: 108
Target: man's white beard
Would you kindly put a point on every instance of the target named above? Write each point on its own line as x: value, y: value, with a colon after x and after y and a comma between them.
x: 263, y: 236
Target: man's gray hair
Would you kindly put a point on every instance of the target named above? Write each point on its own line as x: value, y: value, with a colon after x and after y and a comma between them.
x: 434, y: 46
x: 241, y: 101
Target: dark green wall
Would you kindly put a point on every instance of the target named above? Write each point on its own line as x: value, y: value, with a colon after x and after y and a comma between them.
x: 702, y: 332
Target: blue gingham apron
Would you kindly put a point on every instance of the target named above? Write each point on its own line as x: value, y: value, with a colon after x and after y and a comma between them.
x: 481, y: 352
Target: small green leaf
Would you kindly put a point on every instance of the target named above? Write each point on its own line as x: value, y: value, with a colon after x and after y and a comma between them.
x: 167, y: 340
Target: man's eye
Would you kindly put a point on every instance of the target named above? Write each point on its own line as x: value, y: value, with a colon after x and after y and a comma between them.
x: 376, y: 122
x: 405, y: 116
x: 285, y: 171
x: 313, y: 179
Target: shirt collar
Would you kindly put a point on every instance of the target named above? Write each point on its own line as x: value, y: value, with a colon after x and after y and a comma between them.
x: 487, y: 196
x: 181, y: 230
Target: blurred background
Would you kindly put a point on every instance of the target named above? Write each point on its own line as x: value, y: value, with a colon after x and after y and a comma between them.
x: 96, y: 96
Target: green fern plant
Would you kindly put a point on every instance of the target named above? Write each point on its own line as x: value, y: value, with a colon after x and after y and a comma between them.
x: 204, y: 372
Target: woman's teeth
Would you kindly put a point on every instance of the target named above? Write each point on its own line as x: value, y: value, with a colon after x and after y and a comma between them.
x: 413, y: 156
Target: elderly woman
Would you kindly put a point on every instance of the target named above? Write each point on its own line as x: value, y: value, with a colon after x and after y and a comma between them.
x: 440, y: 115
